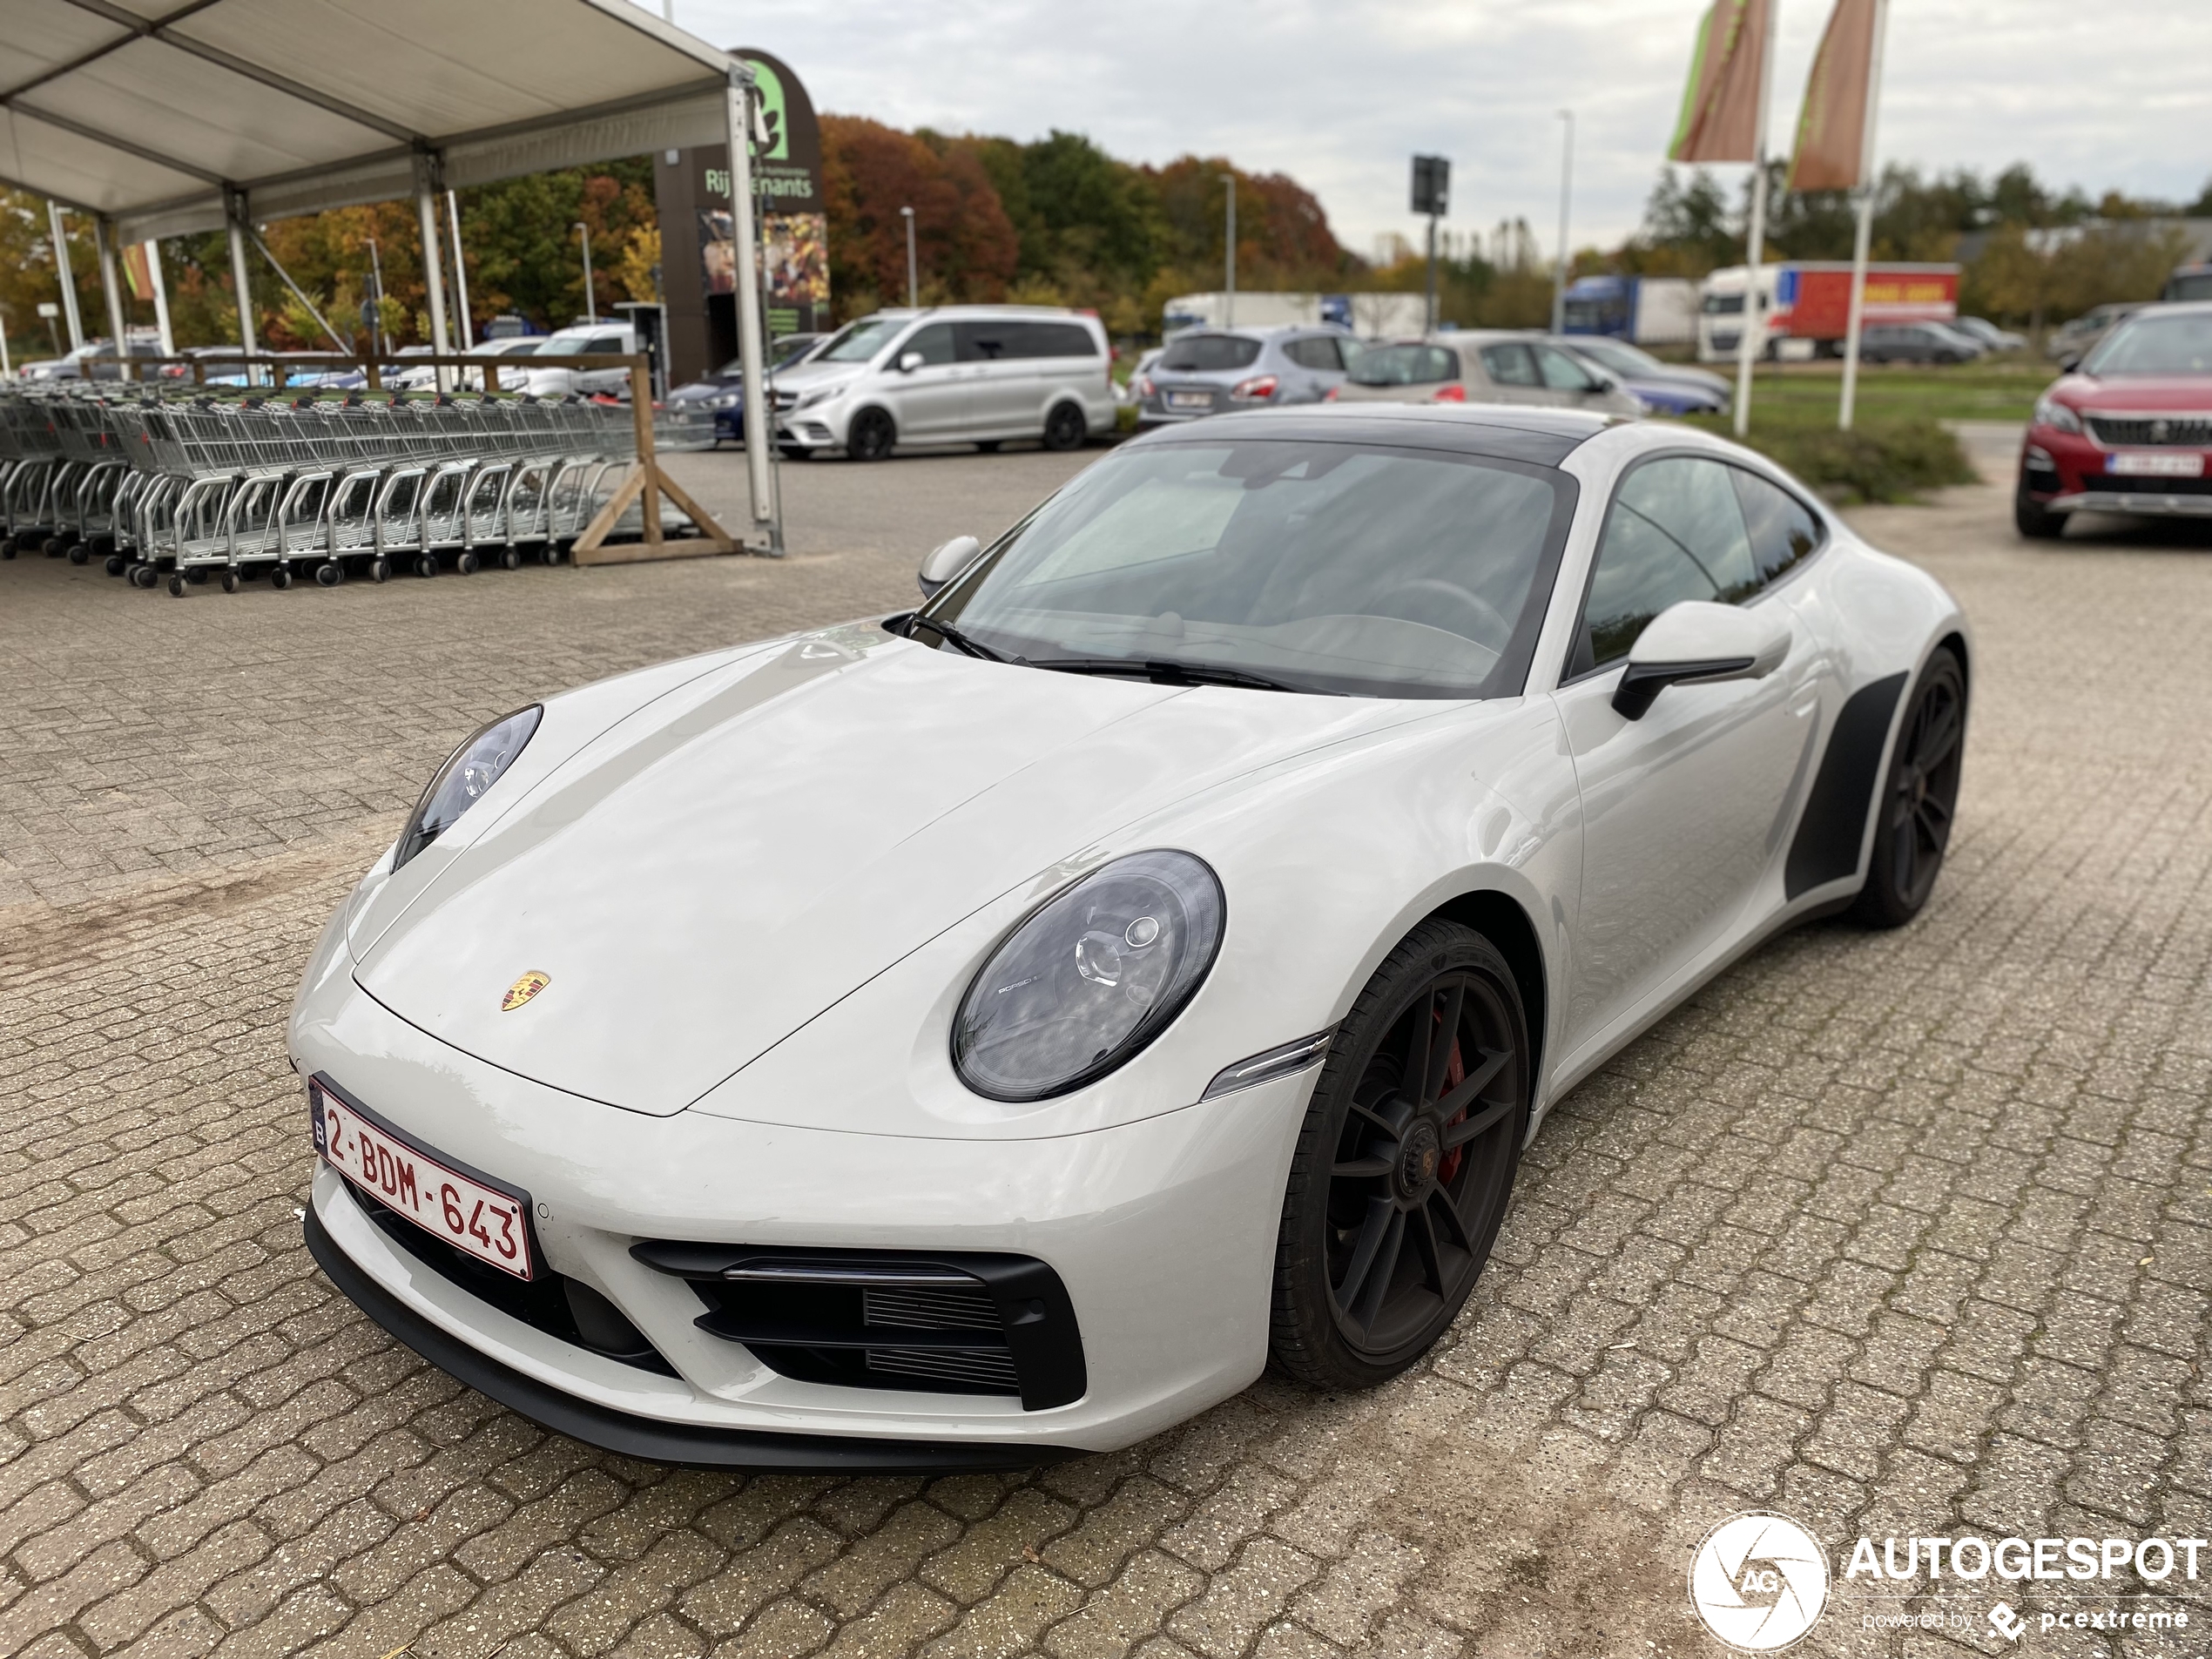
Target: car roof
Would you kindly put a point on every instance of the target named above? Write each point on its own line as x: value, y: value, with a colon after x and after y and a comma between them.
x: 1501, y: 431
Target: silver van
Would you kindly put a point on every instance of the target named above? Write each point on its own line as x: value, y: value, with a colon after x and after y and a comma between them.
x: 978, y: 375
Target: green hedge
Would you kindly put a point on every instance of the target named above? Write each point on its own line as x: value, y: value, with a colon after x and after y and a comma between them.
x: 1880, y: 461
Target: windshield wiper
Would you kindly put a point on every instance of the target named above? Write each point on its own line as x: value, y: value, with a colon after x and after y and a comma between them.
x: 1162, y: 671
x: 958, y: 640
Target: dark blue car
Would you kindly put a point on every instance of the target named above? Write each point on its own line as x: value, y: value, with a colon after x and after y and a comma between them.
x: 724, y: 390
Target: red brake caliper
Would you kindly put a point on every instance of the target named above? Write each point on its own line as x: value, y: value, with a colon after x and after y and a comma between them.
x: 1455, y: 1073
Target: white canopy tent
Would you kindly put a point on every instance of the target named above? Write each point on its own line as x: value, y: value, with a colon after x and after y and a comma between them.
x: 164, y: 117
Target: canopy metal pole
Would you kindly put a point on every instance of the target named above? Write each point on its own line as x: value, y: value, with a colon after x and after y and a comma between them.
x: 459, y: 270
x: 241, y: 278
x: 160, y: 299
x: 1863, y: 232
x: 760, y: 432
x: 7, y: 369
x: 69, y: 278
x: 112, y: 291
x: 344, y: 345
x: 434, y: 273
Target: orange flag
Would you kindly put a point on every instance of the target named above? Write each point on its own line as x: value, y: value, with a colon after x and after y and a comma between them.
x: 1720, y: 107
x: 1831, y: 133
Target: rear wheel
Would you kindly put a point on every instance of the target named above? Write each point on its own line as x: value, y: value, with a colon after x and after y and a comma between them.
x: 1065, y: 427
x: 1405, y: 1161
x: 2033, y: 520
x: 870, y: 436
x: 1919, y: 797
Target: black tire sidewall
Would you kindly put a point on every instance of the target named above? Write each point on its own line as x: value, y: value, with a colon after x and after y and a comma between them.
x: 1879, y: 903
x: 872, y: 436
x: 1063, y: 415
x: 1304, y: 1337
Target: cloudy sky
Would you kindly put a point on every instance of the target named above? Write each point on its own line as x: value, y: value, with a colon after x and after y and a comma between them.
x: 2110, y: 94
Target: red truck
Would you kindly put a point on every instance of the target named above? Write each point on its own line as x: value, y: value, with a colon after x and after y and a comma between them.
x: 1808, y: 301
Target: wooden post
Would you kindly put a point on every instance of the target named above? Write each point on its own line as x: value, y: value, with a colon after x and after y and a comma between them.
x: 645, y: 486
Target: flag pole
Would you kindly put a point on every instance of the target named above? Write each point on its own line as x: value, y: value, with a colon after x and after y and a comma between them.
x: 1752, y: 336
x: 1863, y: 234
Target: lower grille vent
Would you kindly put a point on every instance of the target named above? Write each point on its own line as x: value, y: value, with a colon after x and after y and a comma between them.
x: 962, y: 1322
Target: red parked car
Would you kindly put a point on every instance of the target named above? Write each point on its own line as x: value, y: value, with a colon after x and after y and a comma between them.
x: 2128, y: 429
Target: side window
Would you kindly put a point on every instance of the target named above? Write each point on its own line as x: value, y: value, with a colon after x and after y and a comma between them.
x: 1674, y: 532
x: 1058, y: 340
x: 1782, y: 530
x: 1561, y: 373
x: 1509, y: 366
x: 983, y: 342
x: 933, y: 342
x: 609, y: 344
x: 1320, y: 352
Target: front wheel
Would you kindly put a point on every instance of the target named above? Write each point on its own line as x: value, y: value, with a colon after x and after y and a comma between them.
x: 2033, y: 520
x: 871, y: 437
x: 1919, y: 796
x: 1405, y: 1161
x: 1065, y: 429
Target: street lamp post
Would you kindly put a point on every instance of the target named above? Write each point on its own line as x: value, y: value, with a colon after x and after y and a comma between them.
x: 914, y: 270
x: 591, y: 300
x: 1229, y: 311
x: 1566, y: 194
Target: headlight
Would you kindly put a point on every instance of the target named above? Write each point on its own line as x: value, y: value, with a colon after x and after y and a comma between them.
x: 808, y: 400
x: 2051, y: 412
x: 1087, y: 982
x: 472, y: 769
x: 725, y: 400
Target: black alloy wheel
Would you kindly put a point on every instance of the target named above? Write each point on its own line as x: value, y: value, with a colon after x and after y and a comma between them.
x: 2033, y: 520
x: 1405, y: 1163
x: 870, y: 436
x: 1065, y: 429
x: 1918, y: 798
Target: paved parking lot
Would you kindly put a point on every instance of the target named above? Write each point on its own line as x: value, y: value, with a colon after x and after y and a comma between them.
x: 1896, y: 1234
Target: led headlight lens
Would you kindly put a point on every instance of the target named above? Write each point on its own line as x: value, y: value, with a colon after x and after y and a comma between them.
x: 2051, y: 412
x: 472, y: 769
x: 1088, y: 980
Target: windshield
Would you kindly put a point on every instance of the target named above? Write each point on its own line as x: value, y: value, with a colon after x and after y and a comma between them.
x: 859, y: 341
x: 1326, y: 567
x: 1404, y: 366
x: 1203, y: 352
x: 2157, y: 344
x: 1622, y: 360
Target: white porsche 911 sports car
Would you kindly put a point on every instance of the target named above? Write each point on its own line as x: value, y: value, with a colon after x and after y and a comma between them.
x: 992, y: 1033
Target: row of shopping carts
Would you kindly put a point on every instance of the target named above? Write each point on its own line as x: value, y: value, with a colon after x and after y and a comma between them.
x: 240, y: 486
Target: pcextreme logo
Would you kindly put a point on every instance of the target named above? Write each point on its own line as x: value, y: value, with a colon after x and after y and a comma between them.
x: 1758, y: 1582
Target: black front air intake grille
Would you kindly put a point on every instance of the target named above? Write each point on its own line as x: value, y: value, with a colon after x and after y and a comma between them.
x: 558, y: 1305
x: 2192, y: 431
x: 957, y: 1322
x: 2128, y: 484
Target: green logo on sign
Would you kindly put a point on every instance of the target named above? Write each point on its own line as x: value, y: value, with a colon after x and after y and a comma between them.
x: 771, y: 112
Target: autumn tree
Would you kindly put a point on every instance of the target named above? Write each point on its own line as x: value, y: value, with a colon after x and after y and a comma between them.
x: 965, y: 247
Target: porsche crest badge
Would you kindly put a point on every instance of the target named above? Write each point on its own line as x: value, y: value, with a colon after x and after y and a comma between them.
x: 522, y: 989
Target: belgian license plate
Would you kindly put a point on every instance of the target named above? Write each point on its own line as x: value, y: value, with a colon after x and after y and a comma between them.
x: 489, y: 1223
x: 1191, y: 399
x: 2139, y: 464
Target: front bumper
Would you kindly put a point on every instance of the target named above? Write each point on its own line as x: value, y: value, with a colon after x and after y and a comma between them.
x: 2068, y: 472
x: 1163, y: 1232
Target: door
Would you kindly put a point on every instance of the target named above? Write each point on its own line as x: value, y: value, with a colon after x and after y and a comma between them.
x: 1319, y: 367
x: 614, y: 382
x: 1006, y: 397
x: 1511, y: 373
x: 1686, y: 809
x: 930, y: 401
x: 1565, y: 383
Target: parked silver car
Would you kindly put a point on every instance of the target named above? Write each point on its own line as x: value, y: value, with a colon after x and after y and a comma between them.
x: 1482, y: 366
x: 1209, y: 370
x: 580, y: 340
x: 978, y: 375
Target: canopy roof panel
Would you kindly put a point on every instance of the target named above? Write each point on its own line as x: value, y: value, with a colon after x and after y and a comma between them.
x: 147, y: 109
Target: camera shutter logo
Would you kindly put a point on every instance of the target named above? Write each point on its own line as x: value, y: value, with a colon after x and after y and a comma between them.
x: 1758, y: 1582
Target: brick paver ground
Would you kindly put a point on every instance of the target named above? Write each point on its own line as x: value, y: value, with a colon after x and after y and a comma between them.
x: 1907, y: 1233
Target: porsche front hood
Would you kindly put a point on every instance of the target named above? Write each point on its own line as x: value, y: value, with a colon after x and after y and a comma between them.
x: 705, y: 879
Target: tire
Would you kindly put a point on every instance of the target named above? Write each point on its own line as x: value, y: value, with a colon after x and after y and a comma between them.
x: 425, y: 566
x: 1919, y: 796
x: 80, y: 554
x: 379, y: 569
x: 329, y: 574
x: 280, y: 578
x: 511, y: 559
x: 229, y: 581
x: 7, y: 546
x: 1378, y: 1172
x: 870, y: 436
x: 468, y: 564
x: 2034, y: 521
x: 145, y: 576
x: 1065, y: 429
x: 178, y: 587
x: 116, y: 564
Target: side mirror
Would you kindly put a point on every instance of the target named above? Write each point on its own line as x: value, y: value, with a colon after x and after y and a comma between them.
x: 910, y: 361
x: 947, y: 560
x: 2069, y: 363
x: 1697, y: 642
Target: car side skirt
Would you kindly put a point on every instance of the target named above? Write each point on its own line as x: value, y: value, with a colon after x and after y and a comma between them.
x: 682, y: 1445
